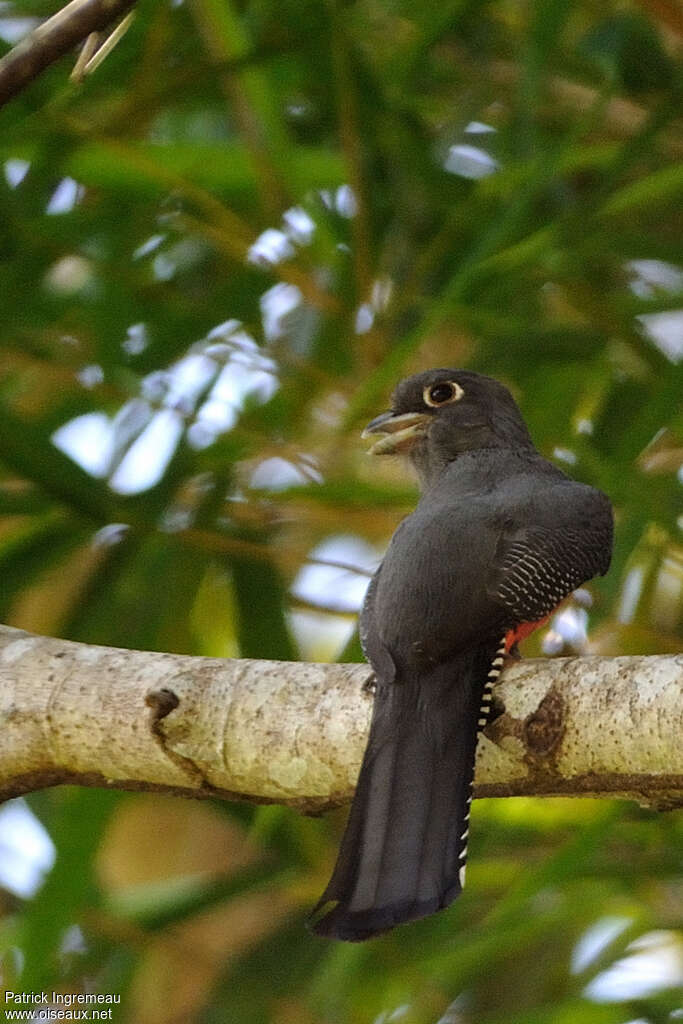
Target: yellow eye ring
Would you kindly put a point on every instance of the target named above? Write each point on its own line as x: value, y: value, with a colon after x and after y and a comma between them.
x: 442, y: 393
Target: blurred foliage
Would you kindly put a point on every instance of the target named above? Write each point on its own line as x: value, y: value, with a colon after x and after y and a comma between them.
x: 222, y: 249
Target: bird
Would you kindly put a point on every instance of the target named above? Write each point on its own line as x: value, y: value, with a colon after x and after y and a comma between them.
x: 499, y: 538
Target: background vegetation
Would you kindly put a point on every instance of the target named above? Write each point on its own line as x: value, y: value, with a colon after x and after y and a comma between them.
x: 220, y: 251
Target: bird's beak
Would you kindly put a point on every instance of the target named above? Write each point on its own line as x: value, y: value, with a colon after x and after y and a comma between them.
x: 401, y: 431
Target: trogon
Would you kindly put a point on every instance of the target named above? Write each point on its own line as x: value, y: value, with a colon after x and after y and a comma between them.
x: 499, y: 538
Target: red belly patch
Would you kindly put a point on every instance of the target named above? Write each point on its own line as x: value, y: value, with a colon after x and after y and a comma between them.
x: 516, y: 635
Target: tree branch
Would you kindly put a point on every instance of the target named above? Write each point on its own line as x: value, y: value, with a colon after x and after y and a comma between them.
x: 293, y: 733
x: 55, y: 37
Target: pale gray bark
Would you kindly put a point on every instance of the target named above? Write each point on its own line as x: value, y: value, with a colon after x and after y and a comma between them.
x: 294, y: 733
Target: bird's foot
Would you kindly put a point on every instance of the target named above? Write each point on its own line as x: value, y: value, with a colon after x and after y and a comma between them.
x: 370, y: 684
x: 513, y: 654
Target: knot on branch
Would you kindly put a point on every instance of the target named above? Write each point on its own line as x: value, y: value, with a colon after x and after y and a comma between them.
x: 543, y: 730
x: 162, y: 702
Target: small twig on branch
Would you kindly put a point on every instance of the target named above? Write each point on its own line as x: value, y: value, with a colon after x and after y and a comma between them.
x: 294, y: 733
x: 55, y: 37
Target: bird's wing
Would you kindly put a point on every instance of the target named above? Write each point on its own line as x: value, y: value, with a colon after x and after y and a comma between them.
x: 540, y: 565
x: 374, y: 650
x: 365, y: 623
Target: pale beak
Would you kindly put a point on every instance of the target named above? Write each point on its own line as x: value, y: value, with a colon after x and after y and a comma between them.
x: 401, y: 431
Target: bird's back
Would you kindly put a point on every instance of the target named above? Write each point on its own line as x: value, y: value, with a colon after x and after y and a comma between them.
x: 434, y: 588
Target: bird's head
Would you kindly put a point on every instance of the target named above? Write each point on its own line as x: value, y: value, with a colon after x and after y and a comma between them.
x: 437, y: 415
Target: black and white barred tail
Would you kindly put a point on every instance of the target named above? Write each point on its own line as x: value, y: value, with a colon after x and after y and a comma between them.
x: 482, y: 721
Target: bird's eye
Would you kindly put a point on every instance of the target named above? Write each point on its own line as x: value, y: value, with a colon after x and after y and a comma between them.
x: 441, y: 393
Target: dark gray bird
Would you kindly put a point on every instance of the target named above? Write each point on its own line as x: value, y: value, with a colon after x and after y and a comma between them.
x: 498, y: 539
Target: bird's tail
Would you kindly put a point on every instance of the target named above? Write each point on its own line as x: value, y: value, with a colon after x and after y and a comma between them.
x: 403, y: 853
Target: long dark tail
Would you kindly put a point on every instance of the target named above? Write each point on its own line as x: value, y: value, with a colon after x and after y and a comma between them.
x: 403, y: 853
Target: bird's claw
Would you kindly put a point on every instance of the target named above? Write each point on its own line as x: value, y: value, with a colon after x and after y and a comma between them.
x: 513, y: 654
x: 370, y: 684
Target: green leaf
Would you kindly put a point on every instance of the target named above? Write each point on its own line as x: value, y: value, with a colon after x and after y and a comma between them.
x: 71, y: 886
x: 33, y: 551
x: 662, y: 186
x: 262, y: 629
